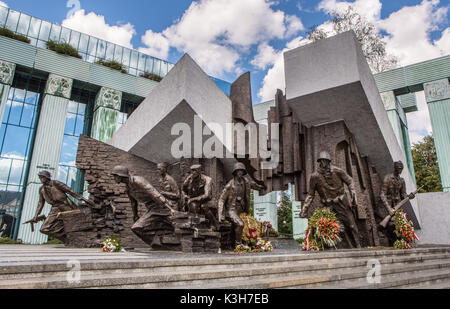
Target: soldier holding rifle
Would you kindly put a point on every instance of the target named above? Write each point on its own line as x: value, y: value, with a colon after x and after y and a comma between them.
x: 197, y: 191
x: 393, y: 196
x: 56, y: 194
x: 329, y: 182
x: 139, y: 190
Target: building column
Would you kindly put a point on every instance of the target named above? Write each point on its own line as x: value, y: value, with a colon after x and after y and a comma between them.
x: 299, y: 225
x: 107, y: 115
x: 399, y: 123
x: 437, y: 94
x: 266, y: 208
x: 46, y: 151
x: 7, y: 71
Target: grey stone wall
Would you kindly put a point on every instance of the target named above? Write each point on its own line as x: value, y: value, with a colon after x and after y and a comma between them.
x: 434, y: 210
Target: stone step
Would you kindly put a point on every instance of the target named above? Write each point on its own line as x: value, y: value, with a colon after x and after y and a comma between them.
x: 40, y: 269
x: 391, y: 277
x: 149, y: 278
x: 439, y: 284
x: 31, y: 263
x: 347, y: 279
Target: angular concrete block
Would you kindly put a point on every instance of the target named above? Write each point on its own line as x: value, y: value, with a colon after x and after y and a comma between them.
x: 330, y: 80
x: 185, y: 92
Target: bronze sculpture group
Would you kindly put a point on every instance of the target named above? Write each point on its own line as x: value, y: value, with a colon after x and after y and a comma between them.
x: 328, y: 182
x: 195, y: 197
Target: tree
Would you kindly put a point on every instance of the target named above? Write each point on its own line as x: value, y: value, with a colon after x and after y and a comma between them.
x: 426, y: 165
x: 373, y: 47
x: 285, y: 215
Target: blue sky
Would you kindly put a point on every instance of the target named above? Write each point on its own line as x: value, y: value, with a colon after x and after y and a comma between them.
x: 230, y: 37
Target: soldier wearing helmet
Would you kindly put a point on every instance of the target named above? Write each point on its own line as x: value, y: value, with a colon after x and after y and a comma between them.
x: 56, y: 194
x: 140, y: 190
x: 197, y: 190
x: 6, y: 224
x: 393, y: 192
x: 235, y: 199
x: 169, y: 186
x: 328, y: 181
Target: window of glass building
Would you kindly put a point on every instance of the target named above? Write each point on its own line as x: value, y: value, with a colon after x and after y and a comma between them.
x: 16, y: 134
x: 90, y: 48
x: 75, y: 120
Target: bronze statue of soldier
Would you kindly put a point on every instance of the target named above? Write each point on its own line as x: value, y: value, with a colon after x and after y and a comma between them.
x: 169, y: 186
x: 197, y: 190
x: 6, y: 224
x: 55, y: 193
x: 235, y: 200
x: 392, y: 193
x: 328, y: 181
x: 139, y: 190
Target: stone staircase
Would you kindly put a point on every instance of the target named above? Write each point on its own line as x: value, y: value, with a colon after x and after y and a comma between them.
x: 50, y: 267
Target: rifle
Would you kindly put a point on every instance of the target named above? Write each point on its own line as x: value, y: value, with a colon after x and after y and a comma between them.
x: 386, y: 220
x: 33, y: 222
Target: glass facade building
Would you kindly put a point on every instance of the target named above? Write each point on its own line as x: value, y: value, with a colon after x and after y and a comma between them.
x: 47, y: 103
x: 90, y: 48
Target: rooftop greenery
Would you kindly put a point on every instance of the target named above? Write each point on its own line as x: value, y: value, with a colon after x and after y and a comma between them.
x: 10, y: 34
x: 63, y: 48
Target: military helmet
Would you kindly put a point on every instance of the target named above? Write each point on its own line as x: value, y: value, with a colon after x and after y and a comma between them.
x: 196, y: 167
x: 239, y: 167
x: 399, y: 163
x: 121, y: 171
x: 45, y: 174
x: 162, y: 165
x: 324, y: 156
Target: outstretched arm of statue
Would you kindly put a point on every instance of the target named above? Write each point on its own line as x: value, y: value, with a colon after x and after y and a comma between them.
x: 221, y: 204
x: 306, y: 205
x: 351, y: 187
x: 254, y: 185
x: 72, y: 193
x: 134, y: 208
x: 384, y: 200
x: 40, y: 206
x: 174, y: 194
x: 206, y: 197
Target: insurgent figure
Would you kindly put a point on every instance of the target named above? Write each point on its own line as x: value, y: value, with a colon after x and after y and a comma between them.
x: 6, y: 224
x: 197, y: 190
x: 56, y: 194
x: 235, y: 199
x: 392, y: 193
x: 329, y: 182
x: 169, y: 186
x: 139, y: 190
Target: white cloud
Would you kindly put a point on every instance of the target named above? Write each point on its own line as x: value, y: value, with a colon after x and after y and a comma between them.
x: 96, y: 25
x: 3, y: 4
x: 370, y: 9
x: 409, y: 32
x: 266, y: 56
x: 410, y: 44
x: 157, y: 45
x: 216, y: 32
x: 419, y: 123
x: 13, y: 165
x: 444, y: 42
x: 274, y: 78
x: 294, y: 25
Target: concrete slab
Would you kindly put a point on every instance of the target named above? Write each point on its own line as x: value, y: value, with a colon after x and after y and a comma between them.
x: 330, y: 80
x: 435, y: 214
x: 185, y: 92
